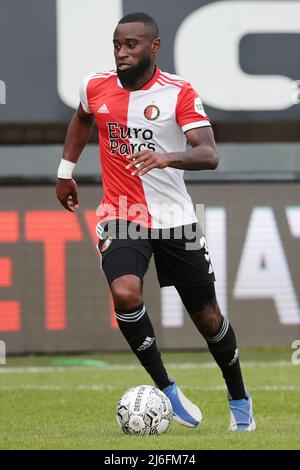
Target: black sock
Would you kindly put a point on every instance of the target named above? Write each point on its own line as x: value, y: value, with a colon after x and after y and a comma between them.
x: 138, y: 331
x: 223, y: 347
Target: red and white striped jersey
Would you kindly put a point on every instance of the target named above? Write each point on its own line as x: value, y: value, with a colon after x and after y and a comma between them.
x: 154, y: 117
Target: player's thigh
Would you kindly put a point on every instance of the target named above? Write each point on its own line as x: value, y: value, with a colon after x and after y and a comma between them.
x: 124, y: 261
x: 120, y: 254
x: 183, y: 261
x: 124, y: 269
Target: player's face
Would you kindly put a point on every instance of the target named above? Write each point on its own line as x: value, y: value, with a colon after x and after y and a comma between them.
x: 134, y: 49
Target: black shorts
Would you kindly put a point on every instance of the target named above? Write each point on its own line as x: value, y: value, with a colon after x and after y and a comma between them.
x: 180, y: 254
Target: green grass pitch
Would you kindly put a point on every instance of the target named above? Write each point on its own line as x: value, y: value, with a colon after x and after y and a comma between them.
x: 69, y: 402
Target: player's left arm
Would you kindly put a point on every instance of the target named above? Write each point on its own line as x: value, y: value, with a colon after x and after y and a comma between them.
x: 202, y: 155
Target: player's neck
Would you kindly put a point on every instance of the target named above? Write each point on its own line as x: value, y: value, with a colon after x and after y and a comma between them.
x: 142, y: 80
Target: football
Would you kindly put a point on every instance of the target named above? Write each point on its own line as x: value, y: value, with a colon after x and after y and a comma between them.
x: 144, y: 410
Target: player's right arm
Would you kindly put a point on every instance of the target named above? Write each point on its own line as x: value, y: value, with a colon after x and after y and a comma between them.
x: 77, y: 137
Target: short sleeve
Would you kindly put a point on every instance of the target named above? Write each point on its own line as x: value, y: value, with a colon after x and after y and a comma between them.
x: 83, y: 94
x: 190, y: 113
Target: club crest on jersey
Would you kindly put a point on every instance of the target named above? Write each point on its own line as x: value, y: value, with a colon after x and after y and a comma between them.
x: 106, y: 244
x: 152, y: 112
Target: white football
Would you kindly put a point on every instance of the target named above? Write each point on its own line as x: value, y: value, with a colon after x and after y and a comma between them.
x: 144, y: 410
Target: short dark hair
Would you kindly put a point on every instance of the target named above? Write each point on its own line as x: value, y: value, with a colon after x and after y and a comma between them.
x: 141, y: 18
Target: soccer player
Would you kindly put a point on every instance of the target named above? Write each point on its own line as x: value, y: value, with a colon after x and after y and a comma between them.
x: 146, y: 118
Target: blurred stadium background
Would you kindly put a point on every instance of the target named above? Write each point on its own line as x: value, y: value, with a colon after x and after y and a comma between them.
x: 242, y: 57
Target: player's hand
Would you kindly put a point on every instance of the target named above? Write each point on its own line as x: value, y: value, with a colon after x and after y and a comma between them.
x: 144, y: 161
x: 66, y: 191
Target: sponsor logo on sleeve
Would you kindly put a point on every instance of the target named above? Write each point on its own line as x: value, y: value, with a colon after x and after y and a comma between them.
x: 199, y: 107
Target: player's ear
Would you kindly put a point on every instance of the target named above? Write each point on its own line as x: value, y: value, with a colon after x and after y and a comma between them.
x: 155, y: 45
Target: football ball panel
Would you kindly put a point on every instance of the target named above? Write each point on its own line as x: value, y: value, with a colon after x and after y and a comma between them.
x: 144, y: 410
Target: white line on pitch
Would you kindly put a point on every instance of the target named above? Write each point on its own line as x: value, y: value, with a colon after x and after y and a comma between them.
x: 109, y: 367
x: 101, y: 387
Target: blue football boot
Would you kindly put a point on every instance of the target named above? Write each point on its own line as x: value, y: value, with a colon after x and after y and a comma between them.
x: 241, y: 415
x: 184, y: 411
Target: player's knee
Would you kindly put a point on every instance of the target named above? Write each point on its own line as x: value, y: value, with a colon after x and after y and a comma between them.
x: 208, y: 320
x: 126, y: 293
